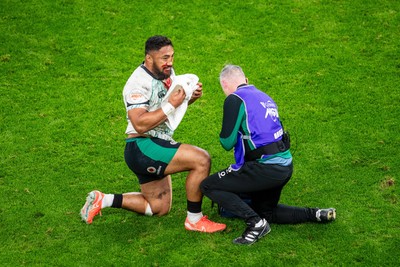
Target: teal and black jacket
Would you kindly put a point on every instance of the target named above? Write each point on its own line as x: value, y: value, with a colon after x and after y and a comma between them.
x: 251, y: 120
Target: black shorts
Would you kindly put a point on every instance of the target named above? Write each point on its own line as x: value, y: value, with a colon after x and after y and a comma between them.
x: 261, y: 183
x: 149, y: 157
x: 251, y: 177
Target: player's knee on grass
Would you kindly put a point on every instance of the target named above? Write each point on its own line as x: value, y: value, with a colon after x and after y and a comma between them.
x: 160, y: 207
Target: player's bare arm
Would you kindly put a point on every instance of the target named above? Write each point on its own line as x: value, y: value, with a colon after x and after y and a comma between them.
x: 144, y: 121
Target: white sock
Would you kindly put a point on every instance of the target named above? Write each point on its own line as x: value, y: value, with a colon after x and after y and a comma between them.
x: 148, y: 211
x: 194, y: 217
x: 107, y: 200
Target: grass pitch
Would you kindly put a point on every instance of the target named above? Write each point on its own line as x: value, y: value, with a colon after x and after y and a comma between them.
x: 333, y: 68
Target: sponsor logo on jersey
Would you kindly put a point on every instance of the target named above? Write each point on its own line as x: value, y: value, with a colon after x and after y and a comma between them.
x: 161, y: 94
x: 271, y: 110
x: 135, y: 96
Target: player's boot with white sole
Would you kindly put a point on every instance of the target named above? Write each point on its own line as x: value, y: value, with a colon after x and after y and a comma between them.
x: 92, y: 206
x: 204, y: 225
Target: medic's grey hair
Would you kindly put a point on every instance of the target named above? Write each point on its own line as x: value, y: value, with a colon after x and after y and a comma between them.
x: 231, y: 71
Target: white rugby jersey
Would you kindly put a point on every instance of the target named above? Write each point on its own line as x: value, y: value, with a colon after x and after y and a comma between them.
x: 143, y: 90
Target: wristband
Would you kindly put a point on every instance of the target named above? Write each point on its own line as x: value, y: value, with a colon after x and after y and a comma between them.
x: 167, y: 108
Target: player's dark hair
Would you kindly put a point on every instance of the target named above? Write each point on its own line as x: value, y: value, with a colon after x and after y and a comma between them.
x: 156, y: 42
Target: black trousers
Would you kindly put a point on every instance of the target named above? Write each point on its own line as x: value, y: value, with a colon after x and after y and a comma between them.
x: 264, y: 184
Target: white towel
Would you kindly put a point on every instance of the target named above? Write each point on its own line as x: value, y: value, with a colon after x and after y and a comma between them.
x: 189, y: 83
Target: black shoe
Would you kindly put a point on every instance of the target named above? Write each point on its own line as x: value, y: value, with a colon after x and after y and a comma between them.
x: 326, y: 215
x: 253, y: 233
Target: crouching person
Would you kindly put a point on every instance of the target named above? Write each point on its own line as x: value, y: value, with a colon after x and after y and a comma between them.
x: 263, y: 166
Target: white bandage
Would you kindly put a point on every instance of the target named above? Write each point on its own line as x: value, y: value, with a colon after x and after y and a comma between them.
x: 148, y: 211
x: 167, y: 108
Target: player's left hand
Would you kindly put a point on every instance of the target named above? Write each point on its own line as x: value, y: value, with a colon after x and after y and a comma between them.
x: 197, y: 93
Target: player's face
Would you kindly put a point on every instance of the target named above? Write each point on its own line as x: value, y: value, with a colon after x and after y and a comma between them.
x: 162, y: 61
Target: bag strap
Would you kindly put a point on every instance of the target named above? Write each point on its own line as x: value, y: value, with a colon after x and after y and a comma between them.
x: 270, y: 149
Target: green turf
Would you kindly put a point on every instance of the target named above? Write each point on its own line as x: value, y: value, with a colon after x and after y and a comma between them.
x: 333, y: 67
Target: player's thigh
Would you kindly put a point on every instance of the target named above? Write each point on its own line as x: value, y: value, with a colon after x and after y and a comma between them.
x: 187, y: 158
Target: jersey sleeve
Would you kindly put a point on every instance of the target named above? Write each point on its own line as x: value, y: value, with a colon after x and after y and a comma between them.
x: 136, y: 98
x: 232, y: 117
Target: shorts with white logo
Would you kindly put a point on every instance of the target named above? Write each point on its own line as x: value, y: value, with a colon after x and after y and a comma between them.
x: 262, y: 182
x: 149, y: 157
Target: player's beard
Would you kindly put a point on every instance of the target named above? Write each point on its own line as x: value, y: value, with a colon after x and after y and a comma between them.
x: 162, y: 73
